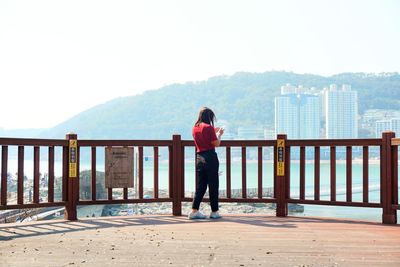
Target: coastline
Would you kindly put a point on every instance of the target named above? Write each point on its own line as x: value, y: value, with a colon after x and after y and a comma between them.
x: 226, y: 208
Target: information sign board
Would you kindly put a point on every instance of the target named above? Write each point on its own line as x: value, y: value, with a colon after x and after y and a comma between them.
x: 119, y: 167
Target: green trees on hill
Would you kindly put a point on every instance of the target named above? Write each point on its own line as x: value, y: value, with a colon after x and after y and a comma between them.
x: 241, y: 99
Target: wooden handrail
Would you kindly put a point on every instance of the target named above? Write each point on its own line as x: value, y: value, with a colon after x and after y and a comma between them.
x: 395, y: 141
x: 32, y: 142
x: 94, y: 143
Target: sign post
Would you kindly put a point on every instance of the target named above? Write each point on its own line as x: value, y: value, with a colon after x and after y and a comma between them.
x: 280, y: 175
x: 73, y: 177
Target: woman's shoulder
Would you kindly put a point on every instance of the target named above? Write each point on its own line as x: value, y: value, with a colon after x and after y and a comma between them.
x: 205, y: 125
x: 201, y: 127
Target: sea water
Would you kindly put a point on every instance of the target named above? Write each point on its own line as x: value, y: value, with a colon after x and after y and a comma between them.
x: 373, y: 214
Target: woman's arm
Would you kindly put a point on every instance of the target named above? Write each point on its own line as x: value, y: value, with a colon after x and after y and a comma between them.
x: 216, y: 142
x: 219, y: 133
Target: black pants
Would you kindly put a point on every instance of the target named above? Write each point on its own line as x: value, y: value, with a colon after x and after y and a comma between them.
x: 207, y: 166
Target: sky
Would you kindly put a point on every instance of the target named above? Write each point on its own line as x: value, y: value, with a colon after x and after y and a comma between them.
x: 59, y: 58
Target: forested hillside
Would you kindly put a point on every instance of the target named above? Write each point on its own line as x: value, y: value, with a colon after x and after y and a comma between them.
x: 241, y: 99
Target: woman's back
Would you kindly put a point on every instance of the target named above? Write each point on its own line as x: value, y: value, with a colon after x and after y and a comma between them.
x: 204, y: 135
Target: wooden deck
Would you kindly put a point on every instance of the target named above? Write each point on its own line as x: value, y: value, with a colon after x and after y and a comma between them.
x: 235, y: 240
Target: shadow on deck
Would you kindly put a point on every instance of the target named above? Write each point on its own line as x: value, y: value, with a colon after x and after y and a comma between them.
x: 235, y: 240
x: 39, y: 228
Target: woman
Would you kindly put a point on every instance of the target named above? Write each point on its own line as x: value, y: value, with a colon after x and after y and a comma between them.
x: 206, y: 138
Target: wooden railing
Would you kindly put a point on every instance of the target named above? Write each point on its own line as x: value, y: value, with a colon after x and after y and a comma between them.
x: 332, y: 145
x: 36, y: 144
x: 70, y: 197
x: 139, y: 144
x: 242, y: 144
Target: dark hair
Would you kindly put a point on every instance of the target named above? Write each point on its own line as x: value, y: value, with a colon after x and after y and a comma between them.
x: 206, y: 115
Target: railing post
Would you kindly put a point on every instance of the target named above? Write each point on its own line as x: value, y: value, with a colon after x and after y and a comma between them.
x: 176, y: 175
x: 72, y: 178
x: 281, y: 163
x: 389, y: 215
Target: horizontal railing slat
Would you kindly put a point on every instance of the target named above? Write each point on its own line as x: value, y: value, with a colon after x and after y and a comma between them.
x: 33, y: 205
x: 32, y: 142
x: 237, y: 143
x: 335, y: 142
x: 123, y: 201
x: 94, y: 143
x: 335, y: 203
x: 239, y: 200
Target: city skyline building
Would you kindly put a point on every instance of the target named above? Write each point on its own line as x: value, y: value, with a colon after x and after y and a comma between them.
x: 341, y: 112
x: 382, y: 126
x: 395, y: 126
x: 387, y: 125
x: 297, y: 113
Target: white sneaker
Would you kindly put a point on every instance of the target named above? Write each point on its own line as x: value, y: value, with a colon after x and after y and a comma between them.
x: 215, y: 215
x: 196, y: 215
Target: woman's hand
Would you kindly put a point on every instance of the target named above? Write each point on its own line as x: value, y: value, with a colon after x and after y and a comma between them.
x: 219, y: 131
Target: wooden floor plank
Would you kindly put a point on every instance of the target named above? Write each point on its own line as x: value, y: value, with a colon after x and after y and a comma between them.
x: 235, y: 240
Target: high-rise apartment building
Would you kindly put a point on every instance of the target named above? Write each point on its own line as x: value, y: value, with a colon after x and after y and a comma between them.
x: 297, y: 113
x: 382, y: 126
x: 387, y: 125
x: 341, y: 111
x: 395, y: 124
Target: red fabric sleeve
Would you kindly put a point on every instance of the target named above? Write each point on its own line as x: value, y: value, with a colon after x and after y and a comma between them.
x: 212, y: 134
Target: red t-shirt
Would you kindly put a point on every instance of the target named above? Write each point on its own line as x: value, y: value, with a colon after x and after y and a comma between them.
x: 203, y: 135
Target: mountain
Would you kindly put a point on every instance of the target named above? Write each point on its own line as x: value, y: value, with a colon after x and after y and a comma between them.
x: 241, y: 99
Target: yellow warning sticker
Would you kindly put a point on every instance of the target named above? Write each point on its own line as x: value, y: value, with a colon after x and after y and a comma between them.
x: 73, y: 148
x: 280, y: 168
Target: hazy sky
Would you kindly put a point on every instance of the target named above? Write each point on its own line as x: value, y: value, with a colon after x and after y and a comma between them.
x: 58, y: 58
